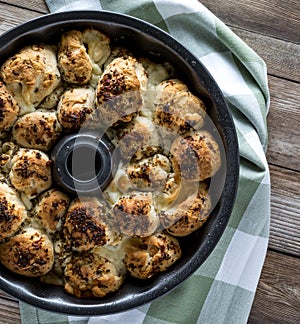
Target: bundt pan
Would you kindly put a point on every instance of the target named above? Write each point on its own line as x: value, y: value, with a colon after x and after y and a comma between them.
x: 140, y: 37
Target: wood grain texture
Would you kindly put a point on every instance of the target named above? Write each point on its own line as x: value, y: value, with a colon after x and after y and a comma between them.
x: 275, y: 18
x: 282, y: 57
x: 283, y: 123
x: 29, y: 5
x: 11, y: 16
x: 285, y: 207
x: 9, y: 309
x: 277, y: 299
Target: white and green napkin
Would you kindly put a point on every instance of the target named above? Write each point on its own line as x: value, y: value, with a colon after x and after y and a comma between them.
x: 223, y: 288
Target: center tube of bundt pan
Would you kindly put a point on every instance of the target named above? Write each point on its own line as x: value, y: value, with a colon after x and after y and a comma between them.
x: 82, y: 163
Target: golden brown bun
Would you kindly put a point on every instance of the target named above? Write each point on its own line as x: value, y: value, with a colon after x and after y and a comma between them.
x: 74, y: 62
x: 150, y: 173
x: 85, y: 227
x: 51, y: 208
x: 138, y: 139
x: 74, y: 107
x: 29, y: 253
x: 134, y: 215
x: 9, y: 109
x: 37, y: 130
x: 31, y: 75
x: 196, y: 157
x: 31, y: 172
x: 89, y: 275
x: 78, y: 62
x: 189, y: 215
x: 119, y: 91
x: 151, y: 255
x: 12, y: 211
x: 177, y: 109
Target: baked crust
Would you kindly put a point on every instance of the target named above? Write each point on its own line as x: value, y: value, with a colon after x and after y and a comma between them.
x: 29, y: 253
x: 134, y: 215
x: 37, y: 130
x: 196, y: 156
x: 146, y: 257
x: 90, y: 275
x: 12, y: 211
x: 119, y: 91
x: 189, y: 215
x: 80, y: 54
x: 9, y: 109
x: 51, y: 208
x: 177, y: 109
x: 85, y: 227
x: 31, y: 172
x: 31, y: 75
x: 75, y: 107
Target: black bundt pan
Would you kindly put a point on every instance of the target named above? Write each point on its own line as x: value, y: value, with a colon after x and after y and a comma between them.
x: 144, y: 38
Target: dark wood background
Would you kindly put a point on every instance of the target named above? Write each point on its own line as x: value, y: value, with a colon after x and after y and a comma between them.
x: 272, y: 29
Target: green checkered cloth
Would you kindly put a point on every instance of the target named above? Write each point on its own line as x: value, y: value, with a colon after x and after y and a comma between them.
x: 223, y: 288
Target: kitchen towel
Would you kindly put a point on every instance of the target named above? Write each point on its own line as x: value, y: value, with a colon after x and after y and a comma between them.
x: 223, y: 288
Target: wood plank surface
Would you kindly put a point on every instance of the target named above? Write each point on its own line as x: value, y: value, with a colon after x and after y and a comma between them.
x: 285, y: 207
x: 282, y: 57
x: 283, y: 123
x: 29, y: 5
x: 279, y: 290
x: 9, y: 309
x: 11, y: 16
x: 276, y: 18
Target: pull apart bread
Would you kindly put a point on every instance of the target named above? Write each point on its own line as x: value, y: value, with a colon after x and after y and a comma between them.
x: 164, y: 159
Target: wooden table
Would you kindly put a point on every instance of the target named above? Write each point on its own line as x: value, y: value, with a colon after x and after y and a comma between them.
x: 272, y: 29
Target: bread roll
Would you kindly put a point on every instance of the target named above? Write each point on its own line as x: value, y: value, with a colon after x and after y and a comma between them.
x: 119, y: 91
x: 196, y: 156
x: 12, y: 211
x: 146, y: 257
x: 177, y: 109
x: 134, y: 215
x: 29, y: 253
x: 31, y: 172
x: 85, y: 226
x: 90, y: 275
x: 9, y: 109
x: 31, y: 75
x: 37, y: 130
